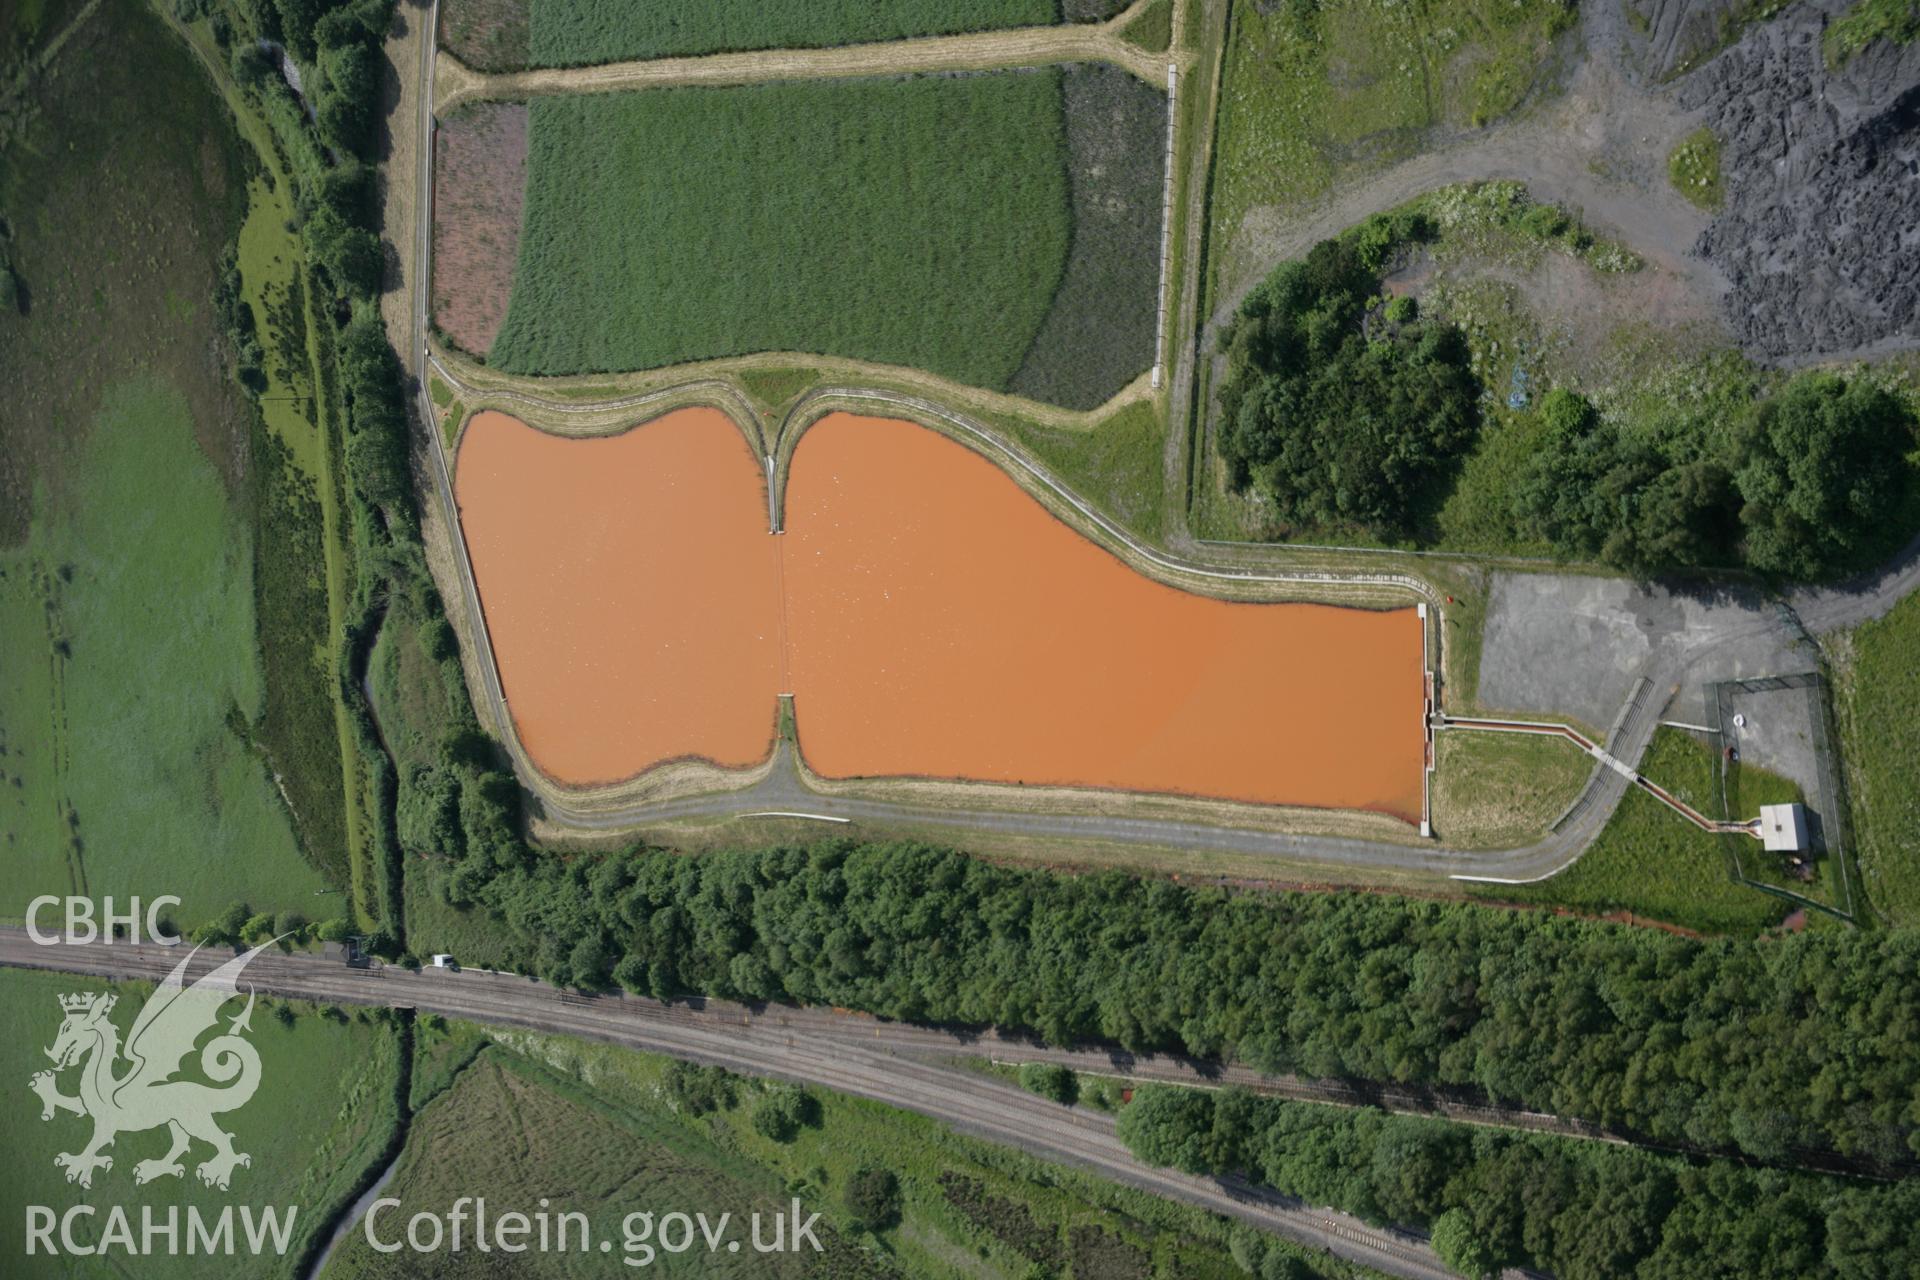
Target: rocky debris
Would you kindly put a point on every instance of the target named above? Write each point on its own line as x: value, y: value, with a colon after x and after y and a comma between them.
x: 1675, y: 35
x: 1820, y: 235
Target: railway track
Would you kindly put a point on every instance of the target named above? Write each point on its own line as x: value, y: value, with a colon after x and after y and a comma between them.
x: 740, y: 1040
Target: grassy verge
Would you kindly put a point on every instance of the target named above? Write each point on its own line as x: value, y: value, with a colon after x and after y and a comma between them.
x: 1652, y: 862
x: 323, y: 1114
x: 1498, y: 790
x: 1115, y: 464
x: 1153, y: 29
x: 1877, y: 697
x: 1694, y: 169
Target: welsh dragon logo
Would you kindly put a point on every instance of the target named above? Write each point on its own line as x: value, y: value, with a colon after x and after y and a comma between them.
x: 147, y: 1095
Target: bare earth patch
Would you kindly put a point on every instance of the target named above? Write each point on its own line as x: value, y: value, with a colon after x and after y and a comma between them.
x: 480, y: 182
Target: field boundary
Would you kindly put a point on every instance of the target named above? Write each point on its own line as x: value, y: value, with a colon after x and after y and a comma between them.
x: 1829, y: 801
x: 974, y: 51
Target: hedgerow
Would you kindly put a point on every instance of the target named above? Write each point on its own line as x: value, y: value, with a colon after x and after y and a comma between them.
x: 920, y: 222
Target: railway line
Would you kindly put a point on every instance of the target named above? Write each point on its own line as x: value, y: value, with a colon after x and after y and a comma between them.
x: 806, y: 1047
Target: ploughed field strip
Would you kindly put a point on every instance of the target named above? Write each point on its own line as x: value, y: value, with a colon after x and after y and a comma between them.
x: 998, y: 229
x: 508, y: 35
x: 641, y: 612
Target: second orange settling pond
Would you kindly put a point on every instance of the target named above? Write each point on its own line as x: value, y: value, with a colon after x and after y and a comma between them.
x: 930, y: 619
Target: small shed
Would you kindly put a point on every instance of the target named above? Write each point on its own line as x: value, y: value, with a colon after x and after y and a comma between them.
x: 1783, y: 828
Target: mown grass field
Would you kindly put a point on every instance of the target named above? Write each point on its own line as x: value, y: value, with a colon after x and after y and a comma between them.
x: 141, y: 729
x: 321, y: 1117
x: 1500, y: 790
x: 1877, y: 699
x: 1001, y: 231
x: 966, y: 1208
x: 1652, y: 862
x: 1314, y: 92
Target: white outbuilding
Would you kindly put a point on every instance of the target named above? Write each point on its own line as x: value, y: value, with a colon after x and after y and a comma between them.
x: 1783, y: 828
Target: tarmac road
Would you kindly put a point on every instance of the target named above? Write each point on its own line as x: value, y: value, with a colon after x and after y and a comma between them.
x: 857, y: 1056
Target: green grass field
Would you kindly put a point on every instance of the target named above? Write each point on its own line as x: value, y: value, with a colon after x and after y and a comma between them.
x: 1499, y: 790
x: 166, y: 668
x: 1877, y: 698
x: 1652, y: 862
x: 606, y: 1128
x: 127, y: 717
x: 1316, y: 92
x: 686, y: 224
x: 322, y: 1116
x: 511, y: 1132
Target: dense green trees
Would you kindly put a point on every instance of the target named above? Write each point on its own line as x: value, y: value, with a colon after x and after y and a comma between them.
x: 1347, y: 412
x: 1493, y: 1198
x: 782, y: 1110
x: 1825, y: 471
x: 1460, y: 1247
x: 1055, y: 1083
x: 1766, y: 1046
x: 1808, y: 483
x: 1339, y: 414
x: 872, y: 1198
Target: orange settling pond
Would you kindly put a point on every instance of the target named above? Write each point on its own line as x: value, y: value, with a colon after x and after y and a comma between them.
x: 938, y: 622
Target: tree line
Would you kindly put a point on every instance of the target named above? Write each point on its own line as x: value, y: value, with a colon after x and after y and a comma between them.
x: 1494, y: 1198
x: 1765, y: 1047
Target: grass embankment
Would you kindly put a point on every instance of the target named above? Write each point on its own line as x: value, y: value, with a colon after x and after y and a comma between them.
x: 506, y: 35
x: 1007, y: 226
x: 1652, y: 862
x: 1694, y: 169
x: 1877, y: 697
x: 1153, y: 29
x: 324, y: 1112
x: 451, y: 412
x: 638, y: 1131
x: 1313, y: 92
x: 1116, y: 464
x: 1498, y: 790
x: 166, y: 728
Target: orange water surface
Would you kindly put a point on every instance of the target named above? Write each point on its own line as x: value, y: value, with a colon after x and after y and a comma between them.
x: 629, y: 586
x: 938, y: 622
x: 942, y: 623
